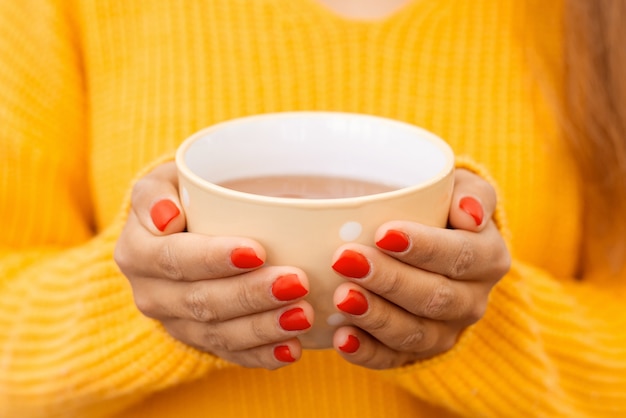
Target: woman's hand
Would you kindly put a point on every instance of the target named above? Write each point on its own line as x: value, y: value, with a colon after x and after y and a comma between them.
x: 212, y: 293
x: 412, y: 297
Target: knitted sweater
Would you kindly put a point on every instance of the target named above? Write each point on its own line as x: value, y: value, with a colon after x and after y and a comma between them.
x: 93, y: 92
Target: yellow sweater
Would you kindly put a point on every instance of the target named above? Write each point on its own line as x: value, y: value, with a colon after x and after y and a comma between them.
x: 94, y: 91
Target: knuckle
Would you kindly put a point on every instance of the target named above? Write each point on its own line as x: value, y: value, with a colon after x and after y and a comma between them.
x: 379, y: 322
x: 215, y: 342
x: 391, y: 285
x: 123, y: 258
x: 429, y: 344
x: 168, y: 262
x: 199, y: 306
x: 260, y: 334
x: 439, y: 302
x: 246, y: 298
x: 464, y: 260
x: 145, y: 304
x: 120, y: 257
x: 383, y: 362
x: 500, y: 265
x: 504, y: 264
x: 412, y: 341
x: 476, y: 312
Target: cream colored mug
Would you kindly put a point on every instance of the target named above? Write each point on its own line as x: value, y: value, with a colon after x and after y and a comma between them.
x: 304, y: 227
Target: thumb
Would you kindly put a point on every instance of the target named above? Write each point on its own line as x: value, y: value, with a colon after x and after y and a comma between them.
x: 155, y: 201
x: 473, y: 202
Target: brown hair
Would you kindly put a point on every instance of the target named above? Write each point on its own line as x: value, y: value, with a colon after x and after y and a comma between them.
x: 595, y: 109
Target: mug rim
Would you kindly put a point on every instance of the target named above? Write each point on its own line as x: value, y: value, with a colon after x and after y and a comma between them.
x: 198, y: 181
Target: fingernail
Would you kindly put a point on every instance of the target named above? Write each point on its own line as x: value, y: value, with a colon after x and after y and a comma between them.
x: 352, y: 264
x: 288, y: 287
x: 245, y: 258
x: 351, y: 345
x: 282, y: 353
x: 472, y: 207
x: 354, y: 303
x: 163, y: 212
x: 294, y: 320
x: 394, y: 241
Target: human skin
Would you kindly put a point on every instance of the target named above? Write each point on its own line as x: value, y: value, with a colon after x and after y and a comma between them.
x: 364, y: 9
x: 407, y: 298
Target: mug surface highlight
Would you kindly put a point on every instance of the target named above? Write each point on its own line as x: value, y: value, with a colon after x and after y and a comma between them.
x: 304, y: 232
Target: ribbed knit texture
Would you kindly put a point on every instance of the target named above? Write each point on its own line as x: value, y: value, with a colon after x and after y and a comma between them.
x: 93, y: 92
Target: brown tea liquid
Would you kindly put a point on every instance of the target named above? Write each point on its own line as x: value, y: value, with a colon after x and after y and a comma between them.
x: 306, y: 186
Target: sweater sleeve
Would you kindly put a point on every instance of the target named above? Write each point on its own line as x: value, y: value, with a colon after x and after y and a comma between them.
x: 547, y: 346
x: 71, y: 341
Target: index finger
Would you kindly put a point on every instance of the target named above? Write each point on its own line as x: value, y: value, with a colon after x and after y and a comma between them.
x: 184, y: 256
x: 457, y: 254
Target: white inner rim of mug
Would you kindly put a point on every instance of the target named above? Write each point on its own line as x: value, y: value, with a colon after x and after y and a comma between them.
x: 335, y: 144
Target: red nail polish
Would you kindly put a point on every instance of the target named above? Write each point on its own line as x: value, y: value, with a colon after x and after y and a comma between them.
x: 245, y: 258
x: 282, y: 353
x: 294, y: 320
x: 394, y: 241
x: 163, y: 212
x: 352, y: 264
x: 351, y: 345
x: 473, y: 208
x: 354, y: 303
x: 288, y: 287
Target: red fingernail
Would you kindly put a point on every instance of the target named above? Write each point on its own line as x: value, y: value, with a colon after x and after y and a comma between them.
x: 355, y: 303
x: 473, y: 208
x: 163, y: 212
x: 394, y: 241
x: 282, y: 353
x: 245, y: 258
x: 294, y: 320
x: 351, y: 345
x: 352, y: 264
x: 288, y: 287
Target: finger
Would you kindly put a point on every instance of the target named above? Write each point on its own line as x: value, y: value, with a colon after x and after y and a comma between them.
x: 457, y: 254
x: 473, y: 202
x: 420, y: 292
x: 246, y: 332
x: 217, y: 300
x: 271, y: 356
x: 184, y: 256
x: 155, y: 201
x: 390, y: 324
x: 359, y: 348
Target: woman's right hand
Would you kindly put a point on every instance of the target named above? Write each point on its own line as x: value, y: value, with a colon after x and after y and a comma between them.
x: 212, y: 293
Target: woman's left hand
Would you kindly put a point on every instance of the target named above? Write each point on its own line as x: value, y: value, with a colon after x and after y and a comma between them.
x: 411, y: 298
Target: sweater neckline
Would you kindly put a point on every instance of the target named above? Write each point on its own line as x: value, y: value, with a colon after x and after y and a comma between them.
x: 316, y: 10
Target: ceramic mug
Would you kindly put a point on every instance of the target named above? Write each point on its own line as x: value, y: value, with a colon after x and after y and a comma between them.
x: 414, y: 167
